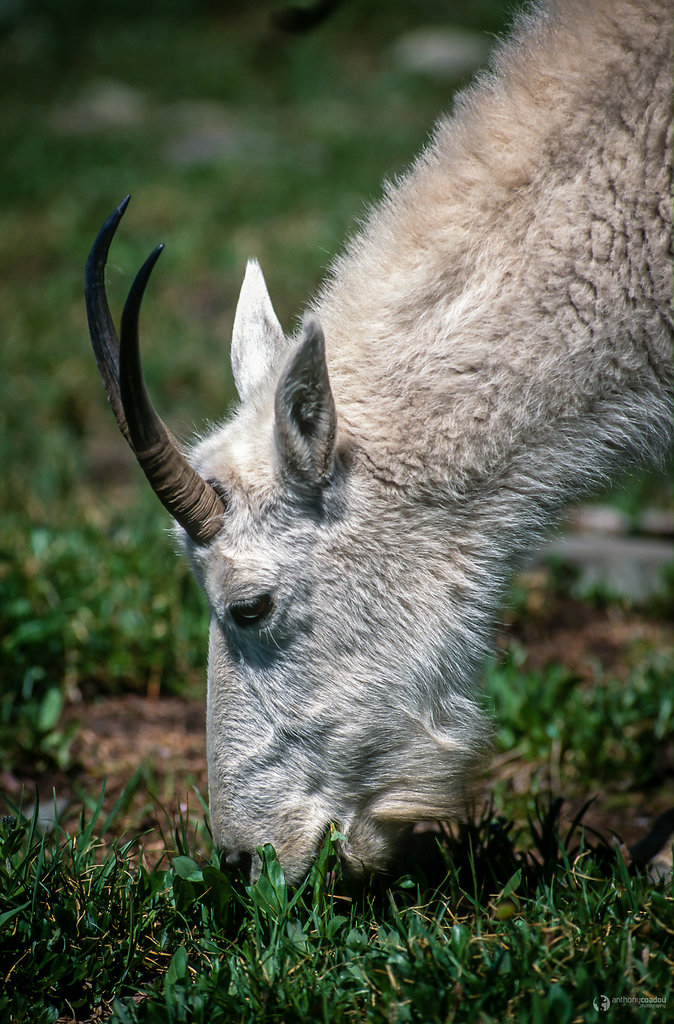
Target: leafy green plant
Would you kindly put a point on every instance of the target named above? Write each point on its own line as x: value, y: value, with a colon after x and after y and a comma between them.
x: 547, y: 929
x: 74, y: 624
x: 602, y: 731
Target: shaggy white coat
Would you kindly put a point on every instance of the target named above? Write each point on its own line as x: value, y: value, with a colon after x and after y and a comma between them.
x: 495, y: 343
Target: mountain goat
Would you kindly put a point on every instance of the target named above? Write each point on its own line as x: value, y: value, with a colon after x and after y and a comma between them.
x: 493, y: 344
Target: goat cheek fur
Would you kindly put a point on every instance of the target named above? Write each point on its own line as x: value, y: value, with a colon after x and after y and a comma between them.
x: 494, y: 344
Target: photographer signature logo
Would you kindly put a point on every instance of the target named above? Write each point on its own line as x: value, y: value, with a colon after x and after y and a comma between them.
x: 603, y: 1003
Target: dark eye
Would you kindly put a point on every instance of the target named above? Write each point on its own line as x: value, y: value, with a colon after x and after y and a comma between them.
x: 247, y: 613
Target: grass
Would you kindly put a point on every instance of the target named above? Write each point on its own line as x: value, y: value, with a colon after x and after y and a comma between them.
x: 606, y: 731
x: 503, y: 933
x: 237, y: 141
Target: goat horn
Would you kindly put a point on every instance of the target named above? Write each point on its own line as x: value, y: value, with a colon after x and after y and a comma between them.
x: 183, y: 492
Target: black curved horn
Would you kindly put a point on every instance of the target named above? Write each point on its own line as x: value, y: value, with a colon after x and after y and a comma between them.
x: 183, y: 492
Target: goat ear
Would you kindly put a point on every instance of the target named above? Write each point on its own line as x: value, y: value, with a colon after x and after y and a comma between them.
x: 306, y: 420
x: 257, y: 338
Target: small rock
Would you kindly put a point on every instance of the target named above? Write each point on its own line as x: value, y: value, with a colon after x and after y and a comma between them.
x: 599, y: 519
x: 103, y: 104
x: 627, y: 567
x: 205, y: 132
x: 48, y: 813
x: 441, y: 52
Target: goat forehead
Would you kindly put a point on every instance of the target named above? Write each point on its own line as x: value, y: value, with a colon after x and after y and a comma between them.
x: 240, y: 454
x: 230, y: 569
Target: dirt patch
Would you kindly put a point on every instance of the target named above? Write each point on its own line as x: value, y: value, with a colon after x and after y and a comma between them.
x: 150, y: 754
x: 584, y: 638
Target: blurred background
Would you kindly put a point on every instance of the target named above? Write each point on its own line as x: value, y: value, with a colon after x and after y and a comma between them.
x: 240, y: 129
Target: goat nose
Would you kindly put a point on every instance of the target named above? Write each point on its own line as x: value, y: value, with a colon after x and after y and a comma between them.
x: 240, y: 859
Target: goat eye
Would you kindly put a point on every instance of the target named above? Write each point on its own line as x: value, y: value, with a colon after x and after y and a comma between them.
x: 247, y: 613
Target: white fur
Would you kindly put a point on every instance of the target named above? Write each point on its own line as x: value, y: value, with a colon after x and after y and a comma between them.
x: 497, y: 344
x: 257, y: 336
